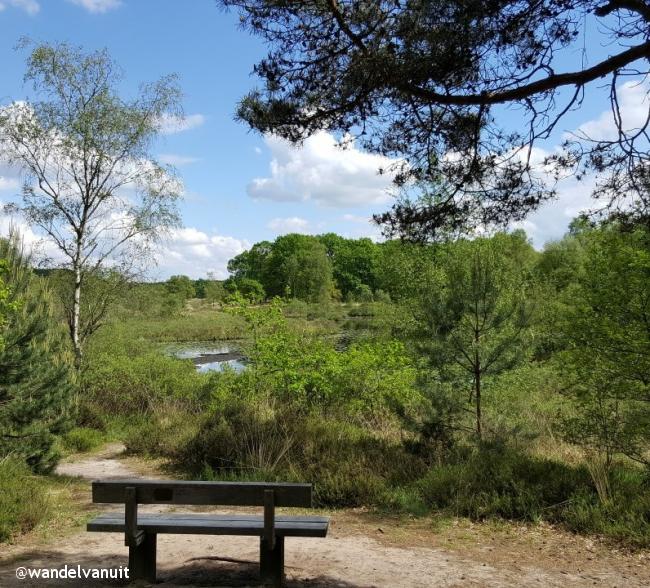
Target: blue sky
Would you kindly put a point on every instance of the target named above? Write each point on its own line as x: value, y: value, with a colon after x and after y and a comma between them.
x: 240, y: 187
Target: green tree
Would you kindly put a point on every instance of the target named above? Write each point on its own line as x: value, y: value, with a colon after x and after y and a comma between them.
x: 80, y: 147
x: 35, y: 377
x: 199, y: 287
x: 475, y: 321
x: 606, y: 356
x: 354, y: 262
x: 7, y: 306
x: 214, y: 291
x: 180, y: 286
x: 251, y: 290
x: 251, y: 264
x: 298, y: 266
x: 556, y: 270
x: 425, y: 78
x: 404, y: 269
x: 308, y: 273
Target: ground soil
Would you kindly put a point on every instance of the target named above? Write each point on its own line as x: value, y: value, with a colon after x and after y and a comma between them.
x: 363, y: 549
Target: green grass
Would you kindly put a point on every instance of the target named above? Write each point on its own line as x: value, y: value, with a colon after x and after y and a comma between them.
x: 201, y: 325
x: 82, y: 439
x: 24, y: 501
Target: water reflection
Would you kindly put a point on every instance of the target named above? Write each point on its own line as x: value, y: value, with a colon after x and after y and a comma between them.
x: 209, y: 357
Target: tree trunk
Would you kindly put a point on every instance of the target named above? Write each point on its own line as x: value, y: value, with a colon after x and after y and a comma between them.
x: 76, y: 311
x: 477, y: 392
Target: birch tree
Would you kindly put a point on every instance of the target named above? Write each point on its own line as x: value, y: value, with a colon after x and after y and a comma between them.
x: 90, y: 181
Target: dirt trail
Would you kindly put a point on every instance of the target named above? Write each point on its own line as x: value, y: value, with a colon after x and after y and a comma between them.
x: 103, y: 465
x: 362, y: 550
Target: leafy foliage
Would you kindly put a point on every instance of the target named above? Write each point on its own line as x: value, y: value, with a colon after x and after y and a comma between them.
x: 606, y: 360
x: 249, y: 289
x: 79, y: 146
x: 474, y: 322
x: 35, y: 381
x: 367, y: 381
x: 7, y: 307
x: 318, y: 268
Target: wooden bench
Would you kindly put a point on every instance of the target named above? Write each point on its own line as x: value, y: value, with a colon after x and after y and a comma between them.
x: 141, y: 531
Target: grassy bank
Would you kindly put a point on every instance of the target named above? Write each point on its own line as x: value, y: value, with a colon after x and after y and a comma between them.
x: 42, y: 505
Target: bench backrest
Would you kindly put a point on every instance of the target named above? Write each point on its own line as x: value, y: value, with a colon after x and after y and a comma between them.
x: 202, y: 493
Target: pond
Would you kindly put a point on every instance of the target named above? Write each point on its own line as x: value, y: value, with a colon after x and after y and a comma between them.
x: 210, y: 357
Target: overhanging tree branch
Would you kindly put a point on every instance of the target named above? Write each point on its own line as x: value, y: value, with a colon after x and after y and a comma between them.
x: 552, y: 82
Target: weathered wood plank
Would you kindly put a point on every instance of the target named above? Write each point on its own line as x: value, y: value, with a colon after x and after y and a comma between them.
x: 202, y: 493
x: 180, y: 516
x: 214, y: 525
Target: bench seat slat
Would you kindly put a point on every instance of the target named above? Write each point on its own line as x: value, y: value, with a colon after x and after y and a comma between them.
x: 205, y: 524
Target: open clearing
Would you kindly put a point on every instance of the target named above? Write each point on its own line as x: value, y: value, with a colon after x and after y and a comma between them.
x: 362, y: 550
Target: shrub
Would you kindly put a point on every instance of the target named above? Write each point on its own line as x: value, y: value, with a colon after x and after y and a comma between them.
x: 238, y: 437
x: 374, y: 381
x: 347, y: 464
x: 82, y: 439
x: 625, y: 517
x: 23, y: 500
x: 163, y: 433
x: 382, y: 296
x: 132, y: 385
x: 498, y: 481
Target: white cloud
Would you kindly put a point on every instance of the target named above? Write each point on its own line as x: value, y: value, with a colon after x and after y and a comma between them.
x: 177, y: 160
x: 292, y: 224
x: 196, y: 253
x: 323, y: 172
x: 10, y: 179
x: 551, y: 221
x: 633, y: 103
x: 170, y: 124
x: 8, y: 184
x: 353, y: 218
x: 41, y: 248
x: 31, y: 7
x: 97, y: 6
x: 187, y: 251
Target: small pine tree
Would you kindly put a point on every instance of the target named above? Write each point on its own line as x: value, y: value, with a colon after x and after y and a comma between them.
x: 35, y: 377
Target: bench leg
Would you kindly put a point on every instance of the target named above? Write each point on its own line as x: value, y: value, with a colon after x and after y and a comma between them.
x: 142, y: 559
x: 272, y: 562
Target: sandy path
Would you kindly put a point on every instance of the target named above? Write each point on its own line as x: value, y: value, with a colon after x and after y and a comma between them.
x: 103, y: 465
x: 356, y: 554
